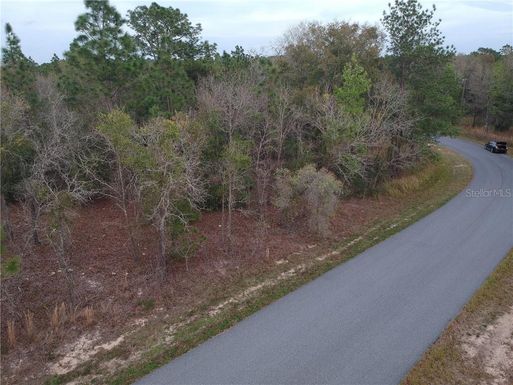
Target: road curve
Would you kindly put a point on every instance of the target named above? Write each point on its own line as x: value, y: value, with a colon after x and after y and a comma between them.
x: 370, y: 319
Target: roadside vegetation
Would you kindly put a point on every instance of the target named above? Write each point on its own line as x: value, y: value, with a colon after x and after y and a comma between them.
x: 146, y: 175
x: 481, y: 135
x: 488, y: 110
x: 487, y: 81
x: 477, y: 346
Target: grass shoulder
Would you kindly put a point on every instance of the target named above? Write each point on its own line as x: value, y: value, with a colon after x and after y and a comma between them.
x: 477, y: 346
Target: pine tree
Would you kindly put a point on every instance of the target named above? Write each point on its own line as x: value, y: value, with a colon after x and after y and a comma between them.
x: 420, y: 62
x: 101, y: 61
x: 18, y: 71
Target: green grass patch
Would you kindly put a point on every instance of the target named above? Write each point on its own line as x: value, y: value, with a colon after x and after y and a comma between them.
x: 10, y: 266
x: 146, y: 304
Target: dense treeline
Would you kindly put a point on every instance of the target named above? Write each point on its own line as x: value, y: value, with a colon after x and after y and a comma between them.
x: 165, y: 126
x: 487, y: 81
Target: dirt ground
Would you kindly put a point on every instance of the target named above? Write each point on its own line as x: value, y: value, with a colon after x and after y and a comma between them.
x: 493, y: 348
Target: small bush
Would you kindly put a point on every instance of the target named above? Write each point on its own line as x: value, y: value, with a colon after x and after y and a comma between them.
x: 308, y: 193
x: 147, y: 304
x: 185, y: 244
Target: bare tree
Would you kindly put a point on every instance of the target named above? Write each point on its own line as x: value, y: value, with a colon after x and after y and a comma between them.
x: 56, y: 183
x: 118, y: 132
x: 15, y: 148
x: 314, y: 53
x: 233, y: 100
x: 368, y: 145
x: 284, y: 117
x: 390, y: 130
x: 476, y: 72
x: 171, y: 176
x: 231, y: 97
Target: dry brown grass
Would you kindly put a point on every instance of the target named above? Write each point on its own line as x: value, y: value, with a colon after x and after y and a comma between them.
x: 448, y: 361
x: 28, y: 322
x: 73, y: 314
x: 88, y: 316
x: 63, y: 313
x: 412, y: 182
x: 59, y: 315
x: 11, y: 334
x: 484, y: 135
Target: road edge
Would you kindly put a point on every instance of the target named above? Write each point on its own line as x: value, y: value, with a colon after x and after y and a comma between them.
x: 445, y: 361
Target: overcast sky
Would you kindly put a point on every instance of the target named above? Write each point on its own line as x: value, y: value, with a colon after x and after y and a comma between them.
x: 46, y: 27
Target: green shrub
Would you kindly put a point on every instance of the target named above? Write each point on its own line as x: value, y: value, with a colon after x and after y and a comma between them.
x: 309, y: 193
x: 9, y: 266
x: 147, y: 304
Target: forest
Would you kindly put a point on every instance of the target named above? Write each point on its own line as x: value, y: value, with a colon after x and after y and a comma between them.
x: 146, y: 148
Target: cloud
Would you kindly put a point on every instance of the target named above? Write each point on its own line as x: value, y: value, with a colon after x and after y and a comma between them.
x: 491, y: 5
x: 269, y: 16
x: 46, y: 26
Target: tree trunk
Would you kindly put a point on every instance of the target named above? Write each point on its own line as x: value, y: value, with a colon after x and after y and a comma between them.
x: 161, y: 263
x: 63, y: 248
x: 486, y: 119
x: 223, y: 233
x: 401, y: 77
x: 34, y: 218
x: 230, y: 208
x: 134, y: 250
x: 133, y: 243
x: 280, y: 149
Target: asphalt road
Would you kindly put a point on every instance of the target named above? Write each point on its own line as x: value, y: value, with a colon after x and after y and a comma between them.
x: 370, y: 319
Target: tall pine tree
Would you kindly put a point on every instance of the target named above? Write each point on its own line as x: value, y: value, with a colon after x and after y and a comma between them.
x: 18, y: 71
x: 420, y: 61
x: 101, y: 61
